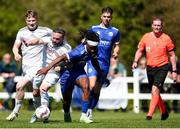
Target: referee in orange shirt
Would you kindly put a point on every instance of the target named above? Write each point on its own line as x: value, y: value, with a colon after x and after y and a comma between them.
x: 157, y: 47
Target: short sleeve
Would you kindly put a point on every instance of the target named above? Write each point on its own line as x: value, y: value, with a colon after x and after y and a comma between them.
x: 18, y: 38
x: 141, y: 44
x: 170, y: 45
x: 75, y: 53
x: 117, y: 37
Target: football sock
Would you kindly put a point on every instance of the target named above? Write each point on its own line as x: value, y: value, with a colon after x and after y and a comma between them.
x: 44, y: 99
x: 66, y: 107
x: 18, y: 104
x: 85, y: 106
x: 153, y: 104
x: 161, y: 105
x: 36, y: 101
x: 94, y: 97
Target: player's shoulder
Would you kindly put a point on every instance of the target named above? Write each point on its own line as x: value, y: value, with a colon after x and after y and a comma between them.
x: 114, y: 28
x: 166, y: 36
x: 23, y: 29
x: 67, y: 46
x: 147, y: 35
x: 44, y: 28
x: 80, y: 48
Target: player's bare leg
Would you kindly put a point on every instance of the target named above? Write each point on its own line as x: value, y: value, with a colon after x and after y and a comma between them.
x: 94, y: 91
x: 84, y: 83
x: 67, y: 97
x: 19, y: 97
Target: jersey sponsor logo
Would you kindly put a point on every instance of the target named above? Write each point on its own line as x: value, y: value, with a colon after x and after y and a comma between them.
x: 105, y: 43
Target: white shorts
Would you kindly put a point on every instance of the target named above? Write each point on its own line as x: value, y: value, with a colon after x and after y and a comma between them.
x: 51, y: 78
x: 29, y: 73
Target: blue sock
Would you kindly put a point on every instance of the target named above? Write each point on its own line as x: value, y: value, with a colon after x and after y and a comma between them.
x: 91, y: 99
x: 85, y: 106
x: 94, y: 98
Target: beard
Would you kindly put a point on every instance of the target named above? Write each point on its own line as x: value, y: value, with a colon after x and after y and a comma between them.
x: 32, y: 28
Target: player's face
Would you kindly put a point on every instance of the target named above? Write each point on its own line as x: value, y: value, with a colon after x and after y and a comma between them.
x: 31, y: 23
x: 91, y: 49
x: 57, y: 39
x: 106, y: 18
x: 157, y: 26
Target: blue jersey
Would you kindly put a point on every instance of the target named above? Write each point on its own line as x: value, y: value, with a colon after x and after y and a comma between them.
x: 108, y: 37
x: 78, y: 58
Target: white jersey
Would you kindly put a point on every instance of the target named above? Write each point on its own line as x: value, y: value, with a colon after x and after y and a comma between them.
x: 52, y: 52
x: 32, y: 55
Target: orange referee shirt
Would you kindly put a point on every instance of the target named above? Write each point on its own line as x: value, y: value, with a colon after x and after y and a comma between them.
x: 156, y: 48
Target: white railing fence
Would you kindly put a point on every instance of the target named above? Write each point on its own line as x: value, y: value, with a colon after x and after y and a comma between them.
x: 136, y: 96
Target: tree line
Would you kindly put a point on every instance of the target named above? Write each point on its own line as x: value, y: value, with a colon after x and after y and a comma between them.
x: 131, y: 17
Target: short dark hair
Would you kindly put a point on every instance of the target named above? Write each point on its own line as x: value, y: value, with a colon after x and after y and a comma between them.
x: 107, y: 10
x: 59, y: 30
x: 31, y: 13
x: 157, y: 19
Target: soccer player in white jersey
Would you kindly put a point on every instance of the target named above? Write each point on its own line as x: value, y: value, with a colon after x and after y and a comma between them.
x: 108, y: 46
x: 32, y: 58
x: 56, y: 46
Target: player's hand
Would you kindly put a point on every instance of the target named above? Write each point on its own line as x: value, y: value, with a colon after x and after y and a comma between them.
x: 17, y: 57
x: 174, y: 76
x: 42, y: 71
x: 57, y: 68
x: 106, y: 82
x: 134, y: 65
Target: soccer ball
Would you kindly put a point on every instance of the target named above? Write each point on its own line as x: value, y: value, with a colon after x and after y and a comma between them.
x: 42, y: 112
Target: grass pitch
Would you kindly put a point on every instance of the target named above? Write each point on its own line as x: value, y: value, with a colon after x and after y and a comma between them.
x: 106, y: 119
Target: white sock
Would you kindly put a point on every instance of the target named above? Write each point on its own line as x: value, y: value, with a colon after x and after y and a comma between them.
x: 45, y: 99
x: 83, y: 114
x: 17, y: 107
x: 89, y: 112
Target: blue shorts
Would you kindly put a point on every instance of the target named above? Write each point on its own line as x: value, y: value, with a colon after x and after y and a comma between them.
x: 68, y: 78
x: 91, y: 71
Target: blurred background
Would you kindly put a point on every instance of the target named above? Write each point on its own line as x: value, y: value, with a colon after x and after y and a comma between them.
x: 132, y: 17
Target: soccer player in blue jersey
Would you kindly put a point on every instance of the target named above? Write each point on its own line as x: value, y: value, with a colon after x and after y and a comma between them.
x: 73, y: 73
x: 108, y: 46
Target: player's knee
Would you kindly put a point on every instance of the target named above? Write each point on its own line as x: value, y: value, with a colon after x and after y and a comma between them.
x: 43, y: 89
x: 36, y: 92
x: 19, y: 88
x: 85, y: 96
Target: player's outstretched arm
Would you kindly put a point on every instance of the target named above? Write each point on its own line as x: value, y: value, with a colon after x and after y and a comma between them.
x: 52, y: 64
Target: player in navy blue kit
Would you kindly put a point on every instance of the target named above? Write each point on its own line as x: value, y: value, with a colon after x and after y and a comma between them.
x: 109, y: 39
x: 73, y: 73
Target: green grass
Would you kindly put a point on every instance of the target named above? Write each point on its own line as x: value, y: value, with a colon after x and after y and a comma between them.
x: 107, y: 119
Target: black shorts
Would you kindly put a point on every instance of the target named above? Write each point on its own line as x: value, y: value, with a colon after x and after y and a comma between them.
x: 157, y: 75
